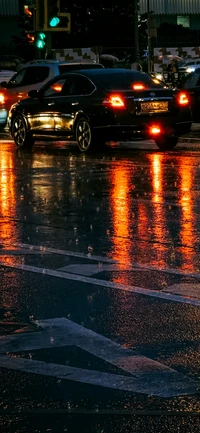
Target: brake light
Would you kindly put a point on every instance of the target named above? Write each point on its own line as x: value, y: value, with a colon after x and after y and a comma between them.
x: 138, y: 86
x: 115, y: 101
x: 2, y: 98
x: 183, y: 99
x: 155, y: 130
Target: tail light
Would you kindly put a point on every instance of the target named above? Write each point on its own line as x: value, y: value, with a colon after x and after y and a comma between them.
x: 138, y: 86
x: 2, y: 98
x: 155, y: 130
x: 115, y: 101
x: 183, y: 98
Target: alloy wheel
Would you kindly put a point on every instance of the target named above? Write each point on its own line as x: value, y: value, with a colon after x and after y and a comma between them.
x: 19, y: 131
x: 83, y: 135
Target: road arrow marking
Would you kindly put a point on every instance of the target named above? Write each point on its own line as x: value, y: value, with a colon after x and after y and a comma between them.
x: 148, y: 376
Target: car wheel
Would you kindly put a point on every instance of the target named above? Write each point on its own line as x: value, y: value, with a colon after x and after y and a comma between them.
x: 166, y: 142
x: 86, y: 137
x: 84, y: 134
x: 21, y: 136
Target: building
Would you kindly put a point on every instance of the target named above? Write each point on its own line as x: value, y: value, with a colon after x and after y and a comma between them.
x: 9, y: 11
x: 184, y: 12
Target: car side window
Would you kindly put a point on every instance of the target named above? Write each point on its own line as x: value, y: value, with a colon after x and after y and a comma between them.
x: 77, y: 85
x: 17, y: 79
x: 29, y: 76
x: 54, y: 89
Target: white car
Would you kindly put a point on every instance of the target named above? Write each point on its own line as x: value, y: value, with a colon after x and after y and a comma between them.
x: 6, y: 75
x: 33, y: 76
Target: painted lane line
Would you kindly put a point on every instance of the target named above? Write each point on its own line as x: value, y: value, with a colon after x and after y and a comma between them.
x: 149, y: 376
x: 20, y: 252
x: 89, y: 270
x: 103, y: 259
x: 40, y: 249
x: 103, y: 283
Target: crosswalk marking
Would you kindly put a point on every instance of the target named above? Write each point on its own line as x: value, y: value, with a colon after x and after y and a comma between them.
x: 104, y: 283
x: 146, y: 375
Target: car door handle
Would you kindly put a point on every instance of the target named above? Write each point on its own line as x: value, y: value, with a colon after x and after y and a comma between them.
x: 75, y: 103
x: 51, y: 103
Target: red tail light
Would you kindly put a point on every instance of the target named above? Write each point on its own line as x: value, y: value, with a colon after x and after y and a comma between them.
x: 115, y: 101
x: 183, y: 98
x: 2, y: 98
x: 138, y: 86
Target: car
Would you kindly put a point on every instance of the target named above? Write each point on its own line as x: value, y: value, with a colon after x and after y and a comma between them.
x: 189, y: 65
x: 33, y: 76
x: 6, y: 75
x: 191, y: 84
x: 94, y: 106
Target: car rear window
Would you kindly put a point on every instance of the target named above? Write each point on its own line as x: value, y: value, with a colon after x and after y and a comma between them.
x: 69, y: 68
x: 119, y: 81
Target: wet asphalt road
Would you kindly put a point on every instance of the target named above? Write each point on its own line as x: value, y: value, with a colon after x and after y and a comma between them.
x: 100, y: 288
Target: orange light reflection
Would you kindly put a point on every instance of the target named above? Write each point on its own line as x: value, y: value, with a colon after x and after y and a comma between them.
x: 187, y: 231
x: 8, y: 231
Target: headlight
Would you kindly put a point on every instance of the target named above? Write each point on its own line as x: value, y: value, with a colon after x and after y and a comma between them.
x: 159, y: 76
x: 189, y: 70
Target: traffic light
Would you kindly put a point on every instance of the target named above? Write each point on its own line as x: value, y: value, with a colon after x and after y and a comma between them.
x: 30, y: 38
x: 29, y: 18
x: 56, y: 20
x: 40, y: 42
x: 52, y: 15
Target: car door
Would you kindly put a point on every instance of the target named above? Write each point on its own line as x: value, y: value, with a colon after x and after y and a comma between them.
x: 74, y: 97
x: 26, y: 79
x: 41, y: 111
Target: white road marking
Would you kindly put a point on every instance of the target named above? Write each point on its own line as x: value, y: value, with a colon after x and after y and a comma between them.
x: 150, y: 377
x: 185, y: 289
x: 21, y: 252
x: 103, y: 283
x: 89, y: 270
x: 42, y: 249
x: 103, y: 259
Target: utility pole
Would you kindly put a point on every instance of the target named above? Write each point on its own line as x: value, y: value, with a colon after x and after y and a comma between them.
x: 136, y: 32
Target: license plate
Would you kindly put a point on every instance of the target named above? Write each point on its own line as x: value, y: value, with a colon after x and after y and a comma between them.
x: 154, y: 107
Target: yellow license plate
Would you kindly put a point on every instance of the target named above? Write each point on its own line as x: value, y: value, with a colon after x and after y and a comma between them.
x: 154, y: 107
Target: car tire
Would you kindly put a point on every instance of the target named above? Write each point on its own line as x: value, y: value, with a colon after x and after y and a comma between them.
x: 22, y: 138
x: 86, y: 137
x: 166, y: 142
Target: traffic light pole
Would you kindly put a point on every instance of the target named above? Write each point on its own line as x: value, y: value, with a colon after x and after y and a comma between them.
x: 48, y: 45
x: 149, y: 37
x: 136, y: 32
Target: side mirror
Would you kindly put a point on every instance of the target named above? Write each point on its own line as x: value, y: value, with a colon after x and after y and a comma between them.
x: 3, y: 84
x: 33, y: 94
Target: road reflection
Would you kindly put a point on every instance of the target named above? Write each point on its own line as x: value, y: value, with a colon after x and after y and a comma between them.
x: 8, y: 197
x: 157, y: 227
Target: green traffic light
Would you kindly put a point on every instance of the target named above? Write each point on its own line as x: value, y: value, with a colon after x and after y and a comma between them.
x: 42, y: 36
x: 40, y: 44
x: 54, y: 22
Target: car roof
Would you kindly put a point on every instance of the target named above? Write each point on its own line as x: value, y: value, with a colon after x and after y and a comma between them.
x: 104, y: 71
x: 58, y: 62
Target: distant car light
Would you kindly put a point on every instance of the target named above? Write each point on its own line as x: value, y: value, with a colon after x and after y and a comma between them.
x: 189, y: 70
x: 159, y: 77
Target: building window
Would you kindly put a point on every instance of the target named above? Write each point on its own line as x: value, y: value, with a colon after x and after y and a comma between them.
x: 183, y: 20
